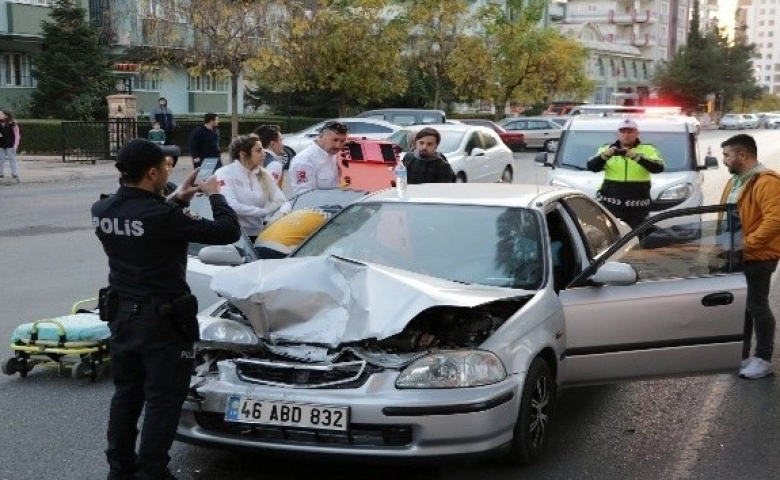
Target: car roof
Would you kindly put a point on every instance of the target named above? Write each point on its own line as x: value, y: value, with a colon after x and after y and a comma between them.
x: 494, y: 194
x: 611, y: 123
x: 375, y: 121
x: 447, y: 127
x: 401, y: 110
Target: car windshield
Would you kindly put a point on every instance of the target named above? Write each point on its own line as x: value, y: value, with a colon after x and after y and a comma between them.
x: 450, y: 140
x: 201, y: 206
x: 496, y: 246
x: 578, y: 146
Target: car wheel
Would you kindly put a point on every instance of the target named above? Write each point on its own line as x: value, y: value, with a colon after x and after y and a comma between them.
x: 532, y: 429
x: 550, y: 145
x: 507, y: 176
x: 460, y: 177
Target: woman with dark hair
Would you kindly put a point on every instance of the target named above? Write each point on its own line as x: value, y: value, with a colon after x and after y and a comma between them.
x: 248, y: 188
x: 9, y: 142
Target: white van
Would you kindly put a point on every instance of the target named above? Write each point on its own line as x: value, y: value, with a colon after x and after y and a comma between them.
x: 678, y: 186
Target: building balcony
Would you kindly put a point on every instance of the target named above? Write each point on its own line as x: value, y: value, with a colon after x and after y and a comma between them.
x: 641, y: 40
x: 611, y: 16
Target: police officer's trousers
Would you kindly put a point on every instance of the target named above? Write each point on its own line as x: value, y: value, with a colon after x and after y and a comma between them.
x: 151, y: 366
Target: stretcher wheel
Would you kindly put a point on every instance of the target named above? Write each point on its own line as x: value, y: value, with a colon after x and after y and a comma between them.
x: 84, y: 369
x: 9, y: 366
x: 16, y: 365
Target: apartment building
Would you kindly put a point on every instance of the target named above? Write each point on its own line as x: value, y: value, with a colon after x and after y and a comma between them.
x: 122, y: 23
x: 627, y: 39
x: 762, y: 19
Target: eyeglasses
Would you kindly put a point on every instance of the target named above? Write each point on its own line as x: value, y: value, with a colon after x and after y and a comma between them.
x: 337, y: 127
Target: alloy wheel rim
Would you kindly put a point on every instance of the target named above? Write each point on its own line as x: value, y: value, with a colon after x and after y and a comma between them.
x: 540, y: 418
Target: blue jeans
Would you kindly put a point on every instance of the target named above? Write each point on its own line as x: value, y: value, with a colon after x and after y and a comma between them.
x: 758, y: 315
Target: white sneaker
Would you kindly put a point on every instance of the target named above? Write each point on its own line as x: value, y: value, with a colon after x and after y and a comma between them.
x: 745, y: 363
x: 758, y: 368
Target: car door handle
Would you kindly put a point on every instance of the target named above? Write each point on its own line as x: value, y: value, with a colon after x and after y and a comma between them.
x: 715, y: 299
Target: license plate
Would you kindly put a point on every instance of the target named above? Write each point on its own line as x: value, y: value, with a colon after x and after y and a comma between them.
x: 266, y: 412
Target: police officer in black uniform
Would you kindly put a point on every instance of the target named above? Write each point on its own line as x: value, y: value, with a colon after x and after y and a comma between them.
x: 151, y: 313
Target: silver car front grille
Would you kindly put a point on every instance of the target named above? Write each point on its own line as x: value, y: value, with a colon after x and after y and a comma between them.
x: 296, y: 375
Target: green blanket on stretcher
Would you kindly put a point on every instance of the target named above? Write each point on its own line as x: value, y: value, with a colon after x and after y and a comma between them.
x: 79, y: 327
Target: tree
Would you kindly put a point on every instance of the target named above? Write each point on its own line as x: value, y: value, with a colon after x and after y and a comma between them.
x: 709, y: 64
x: 351, y: 49
x: 212, y: 38
x: 441, y: 47
x: 530, y: 63
x: 72, y: 70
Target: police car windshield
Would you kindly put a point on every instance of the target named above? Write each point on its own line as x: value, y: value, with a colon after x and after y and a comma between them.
x: 577, y: 146
x: 201, y: 205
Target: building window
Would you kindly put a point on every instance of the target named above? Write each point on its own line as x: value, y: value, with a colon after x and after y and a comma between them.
x: 147, y: 81
x: 45, y: 3
x: 15, y: 70
x: 208, y: 83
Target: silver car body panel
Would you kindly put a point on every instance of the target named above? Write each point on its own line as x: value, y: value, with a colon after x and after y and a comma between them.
x: 340, y: 303
x: 679, y: 334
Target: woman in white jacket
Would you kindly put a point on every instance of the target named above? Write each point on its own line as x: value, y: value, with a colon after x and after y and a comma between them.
x: 247, y: 187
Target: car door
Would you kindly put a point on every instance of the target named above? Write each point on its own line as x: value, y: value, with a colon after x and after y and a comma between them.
x: 495, y: 158
x: 476, y: 164
x: 684, y: 314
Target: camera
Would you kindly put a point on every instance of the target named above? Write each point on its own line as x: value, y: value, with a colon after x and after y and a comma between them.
x: 621, y: 151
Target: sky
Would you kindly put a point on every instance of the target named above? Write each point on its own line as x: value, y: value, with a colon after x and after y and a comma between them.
x: 726, y: 14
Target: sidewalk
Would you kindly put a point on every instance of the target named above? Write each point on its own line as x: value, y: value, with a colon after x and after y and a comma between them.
x: 50, y: 168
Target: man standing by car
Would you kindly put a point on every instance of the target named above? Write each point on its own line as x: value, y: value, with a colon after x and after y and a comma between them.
x: 316, y: 166
x: 425, y: 164
x: 627, y: 165
x: 754, y: 188
x: 150, y: 311
x: 204, y: 140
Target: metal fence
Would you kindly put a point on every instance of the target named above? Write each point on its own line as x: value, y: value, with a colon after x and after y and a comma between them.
x: 92, y: 141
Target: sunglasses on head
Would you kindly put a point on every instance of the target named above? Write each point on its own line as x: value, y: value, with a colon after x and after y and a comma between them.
x: 337, y: 127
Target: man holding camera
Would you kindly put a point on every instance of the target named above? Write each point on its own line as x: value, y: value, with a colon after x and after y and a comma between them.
x: 627, y: 165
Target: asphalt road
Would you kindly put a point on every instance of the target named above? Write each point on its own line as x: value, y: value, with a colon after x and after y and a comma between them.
x: 713, y: 427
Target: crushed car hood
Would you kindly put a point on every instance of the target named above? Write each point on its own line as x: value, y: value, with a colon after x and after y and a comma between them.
x: 332, y: 300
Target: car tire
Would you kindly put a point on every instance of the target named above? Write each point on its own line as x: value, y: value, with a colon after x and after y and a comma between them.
x: 507, y: 176
x: 549, y: 145
x: 9, y: 366
x: 460, y: 178
x: 532, y: 429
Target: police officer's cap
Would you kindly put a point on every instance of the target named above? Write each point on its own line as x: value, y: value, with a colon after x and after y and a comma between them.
x: 137, y: 156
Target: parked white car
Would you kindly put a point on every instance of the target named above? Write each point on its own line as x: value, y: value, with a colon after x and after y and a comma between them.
x: 751, y: 120
x: 732, y: 121
x: 476, y: 153
x: 358, y: 128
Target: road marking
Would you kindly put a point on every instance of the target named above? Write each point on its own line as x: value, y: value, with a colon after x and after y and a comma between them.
x: 701, y: 426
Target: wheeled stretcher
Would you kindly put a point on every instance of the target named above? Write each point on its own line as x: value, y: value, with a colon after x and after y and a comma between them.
x: 78, y: 340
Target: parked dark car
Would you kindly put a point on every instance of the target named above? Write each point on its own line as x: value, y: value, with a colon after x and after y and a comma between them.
x: 514, y: 140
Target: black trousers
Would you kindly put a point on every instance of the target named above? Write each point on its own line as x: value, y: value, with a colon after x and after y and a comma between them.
x: 632, y: 216
x: 758, y: 314
x: 151, y: 367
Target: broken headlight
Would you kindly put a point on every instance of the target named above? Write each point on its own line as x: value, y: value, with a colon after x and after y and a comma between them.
x: 453, y: 369
x: 222, y: 330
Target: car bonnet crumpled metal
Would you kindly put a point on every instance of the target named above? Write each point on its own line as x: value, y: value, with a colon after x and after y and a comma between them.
x: 329, y: 300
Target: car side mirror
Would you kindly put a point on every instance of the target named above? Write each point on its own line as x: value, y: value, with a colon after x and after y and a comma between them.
x: 615, y: 273
x: 710, y: 163
x: 542, y: 159
x: 220, y: 255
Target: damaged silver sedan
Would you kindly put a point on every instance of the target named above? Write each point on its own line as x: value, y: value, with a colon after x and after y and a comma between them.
x: 444, y: 323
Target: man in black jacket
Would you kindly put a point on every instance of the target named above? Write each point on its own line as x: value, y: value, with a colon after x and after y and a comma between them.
x: 150, y: 311
x: 204, y: 140
x: 425, y: 164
